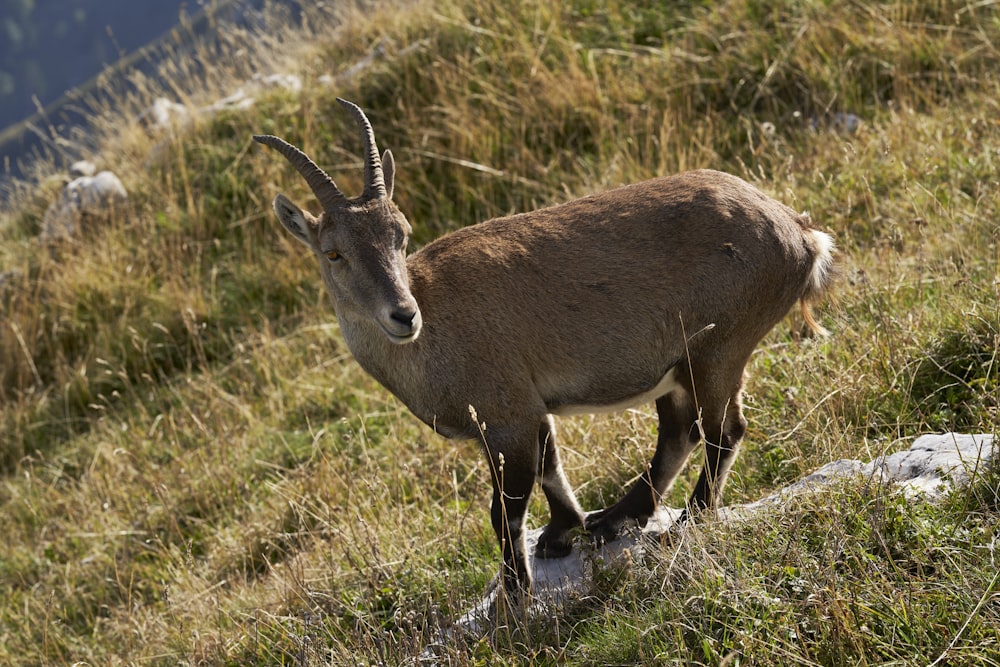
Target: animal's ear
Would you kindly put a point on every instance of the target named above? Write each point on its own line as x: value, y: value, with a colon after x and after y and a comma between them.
x: 300, y: 223
x: 388, y: 171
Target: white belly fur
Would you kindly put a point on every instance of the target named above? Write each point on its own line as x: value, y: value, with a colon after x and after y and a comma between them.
x: 666, y: 384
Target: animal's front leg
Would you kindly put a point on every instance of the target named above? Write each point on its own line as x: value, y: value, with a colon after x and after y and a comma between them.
x: 566, y: 515
x: 512, y: 467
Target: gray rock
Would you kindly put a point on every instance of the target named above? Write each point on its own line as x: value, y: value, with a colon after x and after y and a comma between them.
x: 840, y: 122
x: 928, y: 467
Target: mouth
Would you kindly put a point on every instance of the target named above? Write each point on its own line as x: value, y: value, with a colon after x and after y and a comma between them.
x: 400, y: 330
x: 400, y: 339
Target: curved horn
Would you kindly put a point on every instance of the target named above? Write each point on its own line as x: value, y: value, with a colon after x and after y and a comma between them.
x: 326, y: 191
x: 374, y: 177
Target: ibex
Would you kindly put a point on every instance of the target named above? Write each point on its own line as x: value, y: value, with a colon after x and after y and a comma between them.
x: 657, y: 291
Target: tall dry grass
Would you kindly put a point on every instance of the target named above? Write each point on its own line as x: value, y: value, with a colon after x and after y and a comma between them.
x: 195, y: 471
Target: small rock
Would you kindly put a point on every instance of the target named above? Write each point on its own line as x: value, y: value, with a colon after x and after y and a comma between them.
x: 244, y: 96
x: 82, y: 198
x: 82, y: 168
x: 163, y: 113
x: 840, y: 122
x: 287, y: 81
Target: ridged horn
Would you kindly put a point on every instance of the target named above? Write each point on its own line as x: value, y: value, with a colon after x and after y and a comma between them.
x: 374, y: 176
x: 326, y: 191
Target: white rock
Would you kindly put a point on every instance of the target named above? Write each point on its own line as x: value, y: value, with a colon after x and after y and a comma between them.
x: 241, y: 99
x: 290, y: 82
x: 244, y: 96
x: 82, y: 168
x: 82, y: 197
x: 163, y: 113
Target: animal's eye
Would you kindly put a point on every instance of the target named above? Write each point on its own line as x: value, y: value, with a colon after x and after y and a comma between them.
x: 333, y: 256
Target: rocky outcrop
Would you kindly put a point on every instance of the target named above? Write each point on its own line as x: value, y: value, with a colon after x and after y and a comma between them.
x: 930, y: 467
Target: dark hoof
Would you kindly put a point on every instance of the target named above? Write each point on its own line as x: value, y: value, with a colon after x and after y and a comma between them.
x: 604, y: 529
x: 515, y: 587
x: 548, y: 551
x: 554, y: 544
x: 608, y: 525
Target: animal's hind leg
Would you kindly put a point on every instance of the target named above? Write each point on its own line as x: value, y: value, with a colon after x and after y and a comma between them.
x: 565, y: 512
x: 723, y: 433
x: 678, y: 435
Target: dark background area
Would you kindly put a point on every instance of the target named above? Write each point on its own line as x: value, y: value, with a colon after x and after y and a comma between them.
x: 51, y: 52
x: 48, y: 47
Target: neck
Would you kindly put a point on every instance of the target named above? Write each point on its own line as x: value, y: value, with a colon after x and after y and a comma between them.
x: 390, y: 364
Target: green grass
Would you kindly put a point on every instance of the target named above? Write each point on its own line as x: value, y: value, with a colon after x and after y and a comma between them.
x: 194, y: 471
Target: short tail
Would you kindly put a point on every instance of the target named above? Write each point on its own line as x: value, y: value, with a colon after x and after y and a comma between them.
x: 820, y: 276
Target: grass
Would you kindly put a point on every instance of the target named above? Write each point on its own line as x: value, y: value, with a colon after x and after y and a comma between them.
x: 194, y: 470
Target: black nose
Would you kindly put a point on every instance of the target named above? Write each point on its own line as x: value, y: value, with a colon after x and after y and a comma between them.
x: 403, y: 324
x: 404, y: 317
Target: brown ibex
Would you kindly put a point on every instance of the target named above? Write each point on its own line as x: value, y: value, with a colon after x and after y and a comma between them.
x: 657, y: 291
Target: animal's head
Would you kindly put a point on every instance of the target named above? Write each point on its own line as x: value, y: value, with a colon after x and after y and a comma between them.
x: 360, y: 243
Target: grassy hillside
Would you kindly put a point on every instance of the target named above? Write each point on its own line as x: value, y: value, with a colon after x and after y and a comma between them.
x: 195, y: 471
